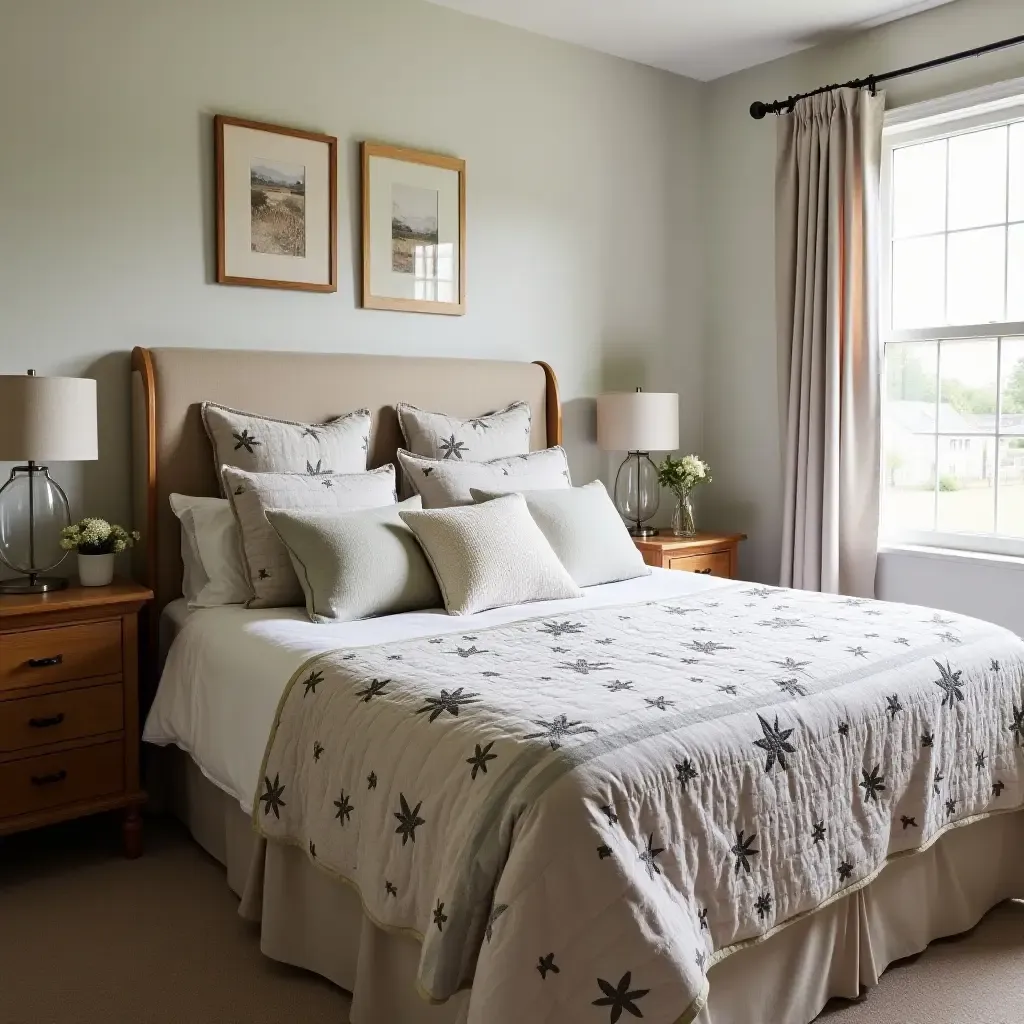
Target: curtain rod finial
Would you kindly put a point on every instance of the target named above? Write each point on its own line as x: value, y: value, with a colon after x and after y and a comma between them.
x: 758, y: 110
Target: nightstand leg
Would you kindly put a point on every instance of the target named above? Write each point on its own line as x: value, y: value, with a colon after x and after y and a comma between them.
x: 131, y: 833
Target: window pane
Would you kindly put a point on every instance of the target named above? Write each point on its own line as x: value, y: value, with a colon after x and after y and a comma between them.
x: 1015, y: 272
x: 1017, y: 171
x: 967, y: 469
x: 911, y: 389
x: 918, y: 285
x: 1012, y: 417
x: 1011, y: 486
x: 976, y: 276
x: 919, y: 189
x: 968, y: 386
x: 977, y: 178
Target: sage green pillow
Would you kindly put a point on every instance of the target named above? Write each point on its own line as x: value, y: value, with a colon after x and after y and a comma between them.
x: 355, y: 565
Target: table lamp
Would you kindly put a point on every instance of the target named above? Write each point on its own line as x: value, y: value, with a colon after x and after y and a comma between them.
x: 42, y: 419
x: 638, y: 423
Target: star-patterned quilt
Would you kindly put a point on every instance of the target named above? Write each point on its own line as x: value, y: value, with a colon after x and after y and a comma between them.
x: 579, y: 816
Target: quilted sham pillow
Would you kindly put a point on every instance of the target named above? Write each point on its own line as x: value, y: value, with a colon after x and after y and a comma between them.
x: 584, y: 530
x: 268, y: 567
x: 494, y: 435
x: 442, y: 484
x: 262, y: 444
x: 490, y: 555
x: 354, y: 565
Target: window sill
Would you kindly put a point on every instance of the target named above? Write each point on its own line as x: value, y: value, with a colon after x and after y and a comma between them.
x: 954, y: 555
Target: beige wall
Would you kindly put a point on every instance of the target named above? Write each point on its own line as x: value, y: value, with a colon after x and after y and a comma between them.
x: 583, y: 189
x: 741, y: 411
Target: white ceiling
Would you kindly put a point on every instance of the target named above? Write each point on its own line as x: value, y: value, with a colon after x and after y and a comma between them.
x: 702, y: 39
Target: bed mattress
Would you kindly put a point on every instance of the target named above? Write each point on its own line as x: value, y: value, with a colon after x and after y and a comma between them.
x: 226, y: 668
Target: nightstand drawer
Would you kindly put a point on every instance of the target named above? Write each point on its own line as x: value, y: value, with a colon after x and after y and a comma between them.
x: 52, y: 717
x: 717, y: 563
x: 36, y: 657
x: 49, y: 780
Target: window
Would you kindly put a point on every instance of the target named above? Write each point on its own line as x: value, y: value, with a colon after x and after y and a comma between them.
x: 953, y: 330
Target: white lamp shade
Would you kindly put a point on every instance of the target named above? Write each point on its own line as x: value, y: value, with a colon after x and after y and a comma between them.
x: 47, y: 419
x: 638, y: 421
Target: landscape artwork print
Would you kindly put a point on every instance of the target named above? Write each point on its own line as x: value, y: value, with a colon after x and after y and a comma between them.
x: 413, y: 224
x: 278, y: 207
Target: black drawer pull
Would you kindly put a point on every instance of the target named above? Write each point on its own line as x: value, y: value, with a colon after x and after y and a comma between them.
x: 45, y: 662
x: 703, y: 572
x: 47, y: 780
x: 45, y: 723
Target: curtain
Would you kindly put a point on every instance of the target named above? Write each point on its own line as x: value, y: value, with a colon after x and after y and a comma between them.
x: 827, y: 238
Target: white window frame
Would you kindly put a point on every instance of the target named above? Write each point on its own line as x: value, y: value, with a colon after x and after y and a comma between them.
x: 958, y: 114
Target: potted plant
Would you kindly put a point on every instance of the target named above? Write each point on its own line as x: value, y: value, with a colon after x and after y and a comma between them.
x: 681, y: 476
x: 96, y: 541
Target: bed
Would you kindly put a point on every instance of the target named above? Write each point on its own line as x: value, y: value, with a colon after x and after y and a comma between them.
x: 228, y: 672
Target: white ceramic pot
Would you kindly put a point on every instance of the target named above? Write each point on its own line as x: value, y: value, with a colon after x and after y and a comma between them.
x: 95, y: 570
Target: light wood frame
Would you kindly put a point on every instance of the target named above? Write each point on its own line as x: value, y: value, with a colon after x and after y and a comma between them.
x: 414, y: 156
x: 219, y: 123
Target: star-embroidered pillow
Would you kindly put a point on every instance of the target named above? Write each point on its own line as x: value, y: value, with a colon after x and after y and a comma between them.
x: 442, y: 483
x: 262, y: 444
x: 494, y: 435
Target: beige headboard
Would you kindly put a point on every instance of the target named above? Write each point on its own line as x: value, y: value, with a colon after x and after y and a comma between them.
x: 171, y: 452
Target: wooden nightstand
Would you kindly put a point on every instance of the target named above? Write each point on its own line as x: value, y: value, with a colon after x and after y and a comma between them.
x: 711, y: 554
x: 69, y: 707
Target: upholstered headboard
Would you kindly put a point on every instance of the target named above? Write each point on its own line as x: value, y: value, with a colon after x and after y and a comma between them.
x: 171, y: 452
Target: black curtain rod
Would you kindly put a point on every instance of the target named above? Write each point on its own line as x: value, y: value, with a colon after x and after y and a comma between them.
x: 759, y: 109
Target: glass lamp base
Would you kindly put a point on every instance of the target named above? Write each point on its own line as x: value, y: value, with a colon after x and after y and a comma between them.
x: 32, y: 585
x: 637, y: 493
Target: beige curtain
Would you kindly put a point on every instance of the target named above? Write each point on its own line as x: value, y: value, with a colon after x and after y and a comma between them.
x: 827, y: 260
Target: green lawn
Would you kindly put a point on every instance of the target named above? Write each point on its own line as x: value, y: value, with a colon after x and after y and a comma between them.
x: 965, y: 511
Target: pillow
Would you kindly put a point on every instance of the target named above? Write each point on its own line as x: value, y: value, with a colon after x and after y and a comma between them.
x: 271, y: 578
x: 210, y: 552
x: 442, y: 484
x: 261, y: 444
x: 354, y: 565
x: 494, y: 435
x: 490, y: 555
x: 585, y: 531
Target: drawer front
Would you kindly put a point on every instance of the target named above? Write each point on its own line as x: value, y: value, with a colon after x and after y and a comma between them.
x: 715, y: 564
x: 50, y: 780
x: 36, y: 657
x: 50, y: 718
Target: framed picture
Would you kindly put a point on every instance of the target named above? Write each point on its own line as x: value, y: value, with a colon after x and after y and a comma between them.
x: 277, y: 206
x: 414, y: 230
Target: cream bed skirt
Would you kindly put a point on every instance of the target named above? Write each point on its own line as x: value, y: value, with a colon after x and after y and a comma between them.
x: 308, y: 920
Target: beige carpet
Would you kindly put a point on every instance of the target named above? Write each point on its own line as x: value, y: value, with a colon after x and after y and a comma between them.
x: 87, y: 937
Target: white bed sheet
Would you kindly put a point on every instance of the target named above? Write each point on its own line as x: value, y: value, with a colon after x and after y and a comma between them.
x: 227, y: 667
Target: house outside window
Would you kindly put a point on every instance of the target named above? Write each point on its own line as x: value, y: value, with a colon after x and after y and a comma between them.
x: 953, y: 326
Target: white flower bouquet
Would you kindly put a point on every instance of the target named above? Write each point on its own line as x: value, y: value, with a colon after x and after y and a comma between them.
x: 97, y: 537
x: 681, y: 476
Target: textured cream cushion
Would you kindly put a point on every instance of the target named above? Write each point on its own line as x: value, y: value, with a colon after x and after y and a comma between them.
x: 272, y: 580
x: 261, y: 444
x: 494, y: 435
x: 210, y: 552
x: 490, y: 555
x: 442, y: 484
x: 586, y: 532
x: 354, y: 565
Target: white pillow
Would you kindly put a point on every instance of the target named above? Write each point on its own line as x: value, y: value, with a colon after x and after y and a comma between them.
x: 442, y: 484
x: 210, y: 552
x: 489, y: 556
x: 272, y: 580
x: 494, y: 435
x: 263, y: 444
x: 354, y: 565
x: 585, y: 531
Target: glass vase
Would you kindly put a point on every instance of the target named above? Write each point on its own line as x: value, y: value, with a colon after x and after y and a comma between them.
x: 682, y: 517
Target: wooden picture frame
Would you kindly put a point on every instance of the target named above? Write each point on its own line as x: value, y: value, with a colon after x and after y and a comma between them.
x: 408, y: 261
x: 294, y: 248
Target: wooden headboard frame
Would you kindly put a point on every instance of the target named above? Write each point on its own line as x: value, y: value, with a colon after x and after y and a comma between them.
x: 465, y: 382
